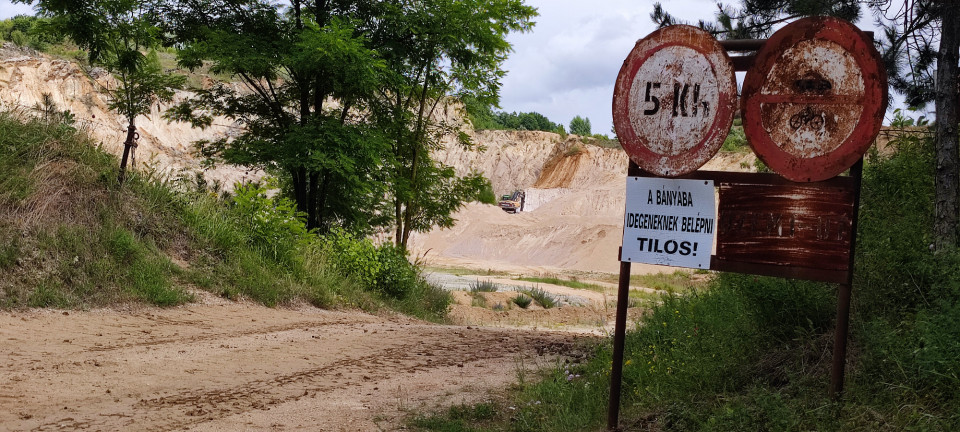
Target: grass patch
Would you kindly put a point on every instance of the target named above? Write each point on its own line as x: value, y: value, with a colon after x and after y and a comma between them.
x: 678, y: 282
x: 572, y: 283
x: 543, y: 298
x: 483, y: 286
x: 463, y: 271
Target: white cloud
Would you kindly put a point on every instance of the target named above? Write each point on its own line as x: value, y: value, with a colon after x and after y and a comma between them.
x: 568, y: 64
x: 9, y: 10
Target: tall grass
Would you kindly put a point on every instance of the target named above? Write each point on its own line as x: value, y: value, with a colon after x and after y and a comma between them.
x: 564, y: 282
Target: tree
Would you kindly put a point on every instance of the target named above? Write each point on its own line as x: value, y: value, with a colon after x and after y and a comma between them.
x: 580, y: 126
x: 922, y: 53
x: 436, y: 49
x: 119, y: 35
x: 920, y: 46
x: 308, y: 75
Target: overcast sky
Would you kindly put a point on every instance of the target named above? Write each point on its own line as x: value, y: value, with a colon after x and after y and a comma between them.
x: 568, y: 64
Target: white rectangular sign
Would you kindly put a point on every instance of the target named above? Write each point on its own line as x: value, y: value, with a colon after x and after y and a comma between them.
x: 669, y: 222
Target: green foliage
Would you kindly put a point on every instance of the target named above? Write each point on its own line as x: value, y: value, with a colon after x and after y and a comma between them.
x: 383, y: 269
x: 29, y: 31
x: 580, y: 126
x: 273, y: 224
x: 306, y: 81
x: 896, y: 214
x: 460, y: 49
x: 543, y: 298
x: 900, y: 120
x: 678, y: 282
x: 564, y: 282
x: 522, y: 300
x: 486, y: 194
x: 457, y: 418
x: 907, y: 294
x: 736, y: 141
x: 483, y: 286
x: 484, y: 118
x: 118, y: 35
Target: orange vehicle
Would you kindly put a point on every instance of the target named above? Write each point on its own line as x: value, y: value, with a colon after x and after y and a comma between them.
x: 513, y: 203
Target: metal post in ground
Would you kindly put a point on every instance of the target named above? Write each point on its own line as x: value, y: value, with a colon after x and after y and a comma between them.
x: 619, y: 333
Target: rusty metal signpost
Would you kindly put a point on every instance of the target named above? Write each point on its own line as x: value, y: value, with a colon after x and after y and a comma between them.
x: 812, y: 103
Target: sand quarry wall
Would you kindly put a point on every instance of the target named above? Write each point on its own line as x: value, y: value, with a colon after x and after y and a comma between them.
x: 25, y: 76
x: 573, y: 217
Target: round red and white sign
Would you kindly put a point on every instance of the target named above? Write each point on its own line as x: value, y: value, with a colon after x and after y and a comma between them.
x: 674, y: 100
x: 814, y: 100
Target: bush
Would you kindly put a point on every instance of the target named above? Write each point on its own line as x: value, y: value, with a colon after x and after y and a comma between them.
x: 483, y: 286
x: 274, y: 225
x: 486, y: 194
x: 543, y: 298
x: 384, y: 269
x: 522, y: 301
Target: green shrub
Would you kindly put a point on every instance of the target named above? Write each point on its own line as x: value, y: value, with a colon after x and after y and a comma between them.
x: 383, y: 269
x: 543, y: 298
x: 522, y: 300
x: 483, y: 286
x: 273, y: 224
x: 736, y: 140
x: 486, y: 195
x: 397, y: 277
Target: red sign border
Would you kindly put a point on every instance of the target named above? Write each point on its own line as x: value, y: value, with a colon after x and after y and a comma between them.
x: 874, y: 101
x: 697, y: 40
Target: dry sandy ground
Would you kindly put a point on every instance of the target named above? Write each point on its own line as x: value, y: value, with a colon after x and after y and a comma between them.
x: 236, y: 366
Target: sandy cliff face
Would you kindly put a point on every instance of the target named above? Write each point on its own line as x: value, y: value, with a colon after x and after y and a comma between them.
x: 25, y: 76
x: 573, y: 216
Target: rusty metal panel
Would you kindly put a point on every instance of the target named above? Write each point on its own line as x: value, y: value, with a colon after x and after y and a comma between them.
x: 674, y: 100
x: 800, y: 225
x: 814, y: 100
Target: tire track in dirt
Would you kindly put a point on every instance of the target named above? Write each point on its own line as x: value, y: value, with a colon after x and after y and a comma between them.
x: 247, y: 367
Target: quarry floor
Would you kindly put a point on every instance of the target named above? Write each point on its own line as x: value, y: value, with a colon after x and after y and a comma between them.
x: 228, y: 366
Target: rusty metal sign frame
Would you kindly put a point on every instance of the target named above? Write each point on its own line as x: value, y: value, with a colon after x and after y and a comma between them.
x: 680, y: 102
x: 842, y: 277
x: 787, y: 112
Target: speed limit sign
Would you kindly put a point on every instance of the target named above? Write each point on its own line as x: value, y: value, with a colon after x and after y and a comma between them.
x: 674, y: 100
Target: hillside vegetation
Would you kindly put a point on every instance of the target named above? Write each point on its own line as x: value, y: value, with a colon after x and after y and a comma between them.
x: 70, y: 237
x: 753, y: 353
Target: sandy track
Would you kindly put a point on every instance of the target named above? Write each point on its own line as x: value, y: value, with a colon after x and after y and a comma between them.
x: 244, y: 367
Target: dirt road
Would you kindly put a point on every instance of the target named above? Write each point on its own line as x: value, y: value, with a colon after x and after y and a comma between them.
x: 229, y: 367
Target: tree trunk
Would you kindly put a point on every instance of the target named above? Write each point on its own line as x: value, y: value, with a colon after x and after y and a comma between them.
x: 299, y: 176
x: 312, y: 199
x: 321, y: 203
x: 398, y: 216
x: 948, y: 159
x: 127, y: 145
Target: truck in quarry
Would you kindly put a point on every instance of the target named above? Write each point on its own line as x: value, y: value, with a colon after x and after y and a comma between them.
x: 514, y: 202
